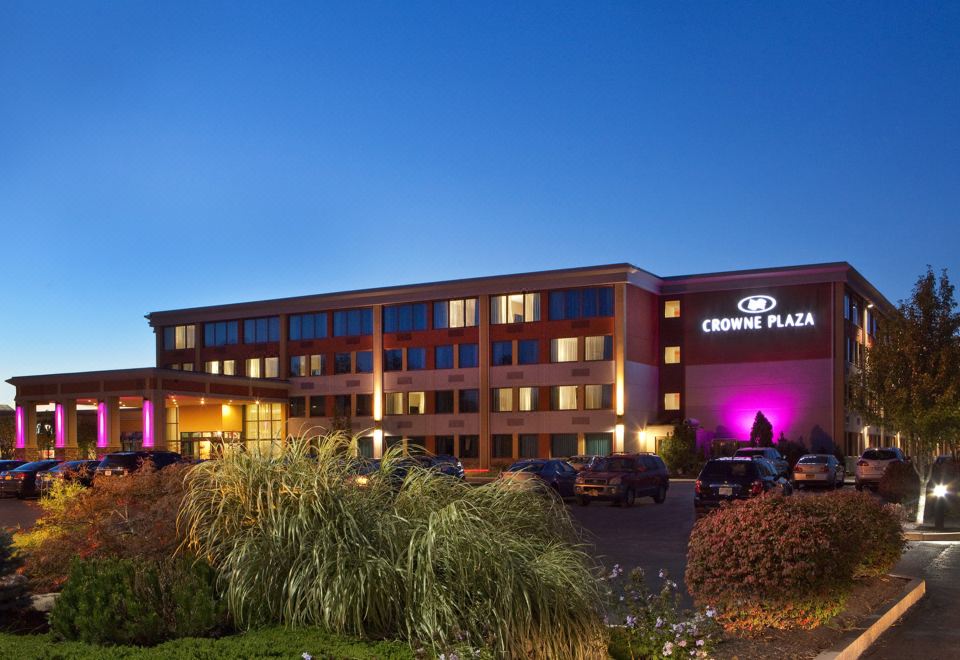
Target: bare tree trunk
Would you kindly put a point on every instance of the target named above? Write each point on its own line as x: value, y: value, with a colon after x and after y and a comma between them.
x: 922, y: 502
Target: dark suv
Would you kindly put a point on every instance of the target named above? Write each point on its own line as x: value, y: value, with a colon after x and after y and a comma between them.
x: 122, y: 463
x: 621, y: 478
x: 769, y: 453
x: 728, y: 479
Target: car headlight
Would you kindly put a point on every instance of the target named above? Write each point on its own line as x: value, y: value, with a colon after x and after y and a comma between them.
x: 363, y: 481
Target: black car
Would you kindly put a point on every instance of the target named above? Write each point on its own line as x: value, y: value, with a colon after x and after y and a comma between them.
x: 443, y: 465
x: 122, y: 463
x: 10, y: 463
x: 80, y: 472
x: 558, y: 475
x: 728, y: 479
x: 22, y: 481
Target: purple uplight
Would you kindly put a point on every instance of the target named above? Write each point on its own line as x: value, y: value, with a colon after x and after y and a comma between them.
x: 147, y: 423
x: 21, y: 429
x: 59, y: 431
x: 102, y: 439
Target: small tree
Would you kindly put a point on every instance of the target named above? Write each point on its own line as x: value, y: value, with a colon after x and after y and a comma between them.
x: 679, y: 449
x: 7, y: 433
x: 761, y: 435
x: 910, y: 380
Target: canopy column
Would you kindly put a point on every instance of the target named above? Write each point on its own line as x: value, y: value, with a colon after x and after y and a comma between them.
x: 25, y: 445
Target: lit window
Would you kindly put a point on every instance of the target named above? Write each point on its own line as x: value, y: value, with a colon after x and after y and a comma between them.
x: 317, y: 364
x: 671, y: 309
x: 416, y: 403
x: 298, y: 365
x: 271, y: 367
x: 253, y: 368
x: 563, y: 397
x: 393, y: 403
x: 212, y: 367
x: 179, y: 337
x: 515, y: 308
x: 528, y: 399
x: 671, y: 355
x: 455, y: 313
x: 563, y: 349
x: 187, y: 366
x: 263, y: 421
x: 671, y: 401
x: 598, y: 397
x: 598, y: 348
x: 229, y: 367
x: 501, y: 399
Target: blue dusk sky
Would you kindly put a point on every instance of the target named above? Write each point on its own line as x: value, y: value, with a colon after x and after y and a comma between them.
x: 157, y: 155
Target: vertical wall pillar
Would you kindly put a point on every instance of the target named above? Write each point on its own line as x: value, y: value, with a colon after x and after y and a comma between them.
x: 70, y: 449
x: 377, y: 381
x: 620, y: 361
x: 154, y: 422
x: 483, y: 320
x: 25, y: 447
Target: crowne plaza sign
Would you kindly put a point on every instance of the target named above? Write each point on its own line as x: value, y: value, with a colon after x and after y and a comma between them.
x: 757, y: 314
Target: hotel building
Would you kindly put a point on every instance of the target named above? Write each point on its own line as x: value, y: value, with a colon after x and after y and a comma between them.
x: 554, y: 363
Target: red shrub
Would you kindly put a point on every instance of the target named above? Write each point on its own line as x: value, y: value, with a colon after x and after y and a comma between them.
x: 899, y: 484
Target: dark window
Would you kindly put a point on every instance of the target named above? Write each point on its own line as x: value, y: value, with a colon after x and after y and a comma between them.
x: 598, y: 444
x: 468, y: 356
x: 298, y: 406
x: 353, y: 322
x: 563, y: 444
x: 469, y: 446
x: 220, y: 333
x: 528, y: 351
x: 393, y: 359
x: 169, y: 338
x: 262, y: 330
x: 469, y: 401
x: 527, y: 445
x: 341, y: 404
x: 364, y: 405
x: 503, y: 446
x: 581, y: 303
x: 404, y: 318
x: 318, y: 406
x: 444, y: 402
x: 391, y: 441
x: 443, y: 445
x: 416, y: 359
x: 501, y: 353
x: 364, y: 362
x: 443, y: 357
x: 308, y: 326
x: 341, y: 363
x: 365, y: 446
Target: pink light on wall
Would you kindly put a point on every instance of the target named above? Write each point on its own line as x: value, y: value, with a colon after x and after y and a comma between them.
x: 147, y: 423
x: 102, y: 439
x: 58, y: 423
x: 21, y: 428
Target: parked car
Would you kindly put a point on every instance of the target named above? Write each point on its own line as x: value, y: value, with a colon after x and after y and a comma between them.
x: 79, y: 472
x: 946, y: 472
x: 621, y: 478
x: 582, y: 462
x: 22, y: 480
x: 553, y: 472
x: 818, y: 470
x: 779, y: 462
x: 122, y: 463
x: 729, y: 479
x: 442, y: 465
x: 873, y: 463
x: 9, y: 464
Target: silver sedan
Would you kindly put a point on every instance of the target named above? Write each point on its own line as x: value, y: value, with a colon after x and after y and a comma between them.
x: 818, y: 470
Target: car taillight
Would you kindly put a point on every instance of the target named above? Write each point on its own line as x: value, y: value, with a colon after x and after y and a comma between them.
x: 861, y: 463
x: 824, y: 468
x: 696, y: 487
x: 756, y: 487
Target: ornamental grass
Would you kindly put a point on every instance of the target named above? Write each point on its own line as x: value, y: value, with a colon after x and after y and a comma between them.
x: 428, y: 558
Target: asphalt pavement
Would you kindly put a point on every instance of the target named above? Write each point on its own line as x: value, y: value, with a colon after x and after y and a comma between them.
x: 16, y: 513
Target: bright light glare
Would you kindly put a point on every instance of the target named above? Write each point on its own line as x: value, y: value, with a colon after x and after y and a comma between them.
x: 939, y: 490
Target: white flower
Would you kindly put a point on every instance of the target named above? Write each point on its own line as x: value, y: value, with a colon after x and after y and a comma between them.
x: 711, y: 612
x: 699, y: 642
x: 682, y: 643
x: 663, y: 574
x: 306, y: 656
x: 659, y: 623
x: 668, y: 648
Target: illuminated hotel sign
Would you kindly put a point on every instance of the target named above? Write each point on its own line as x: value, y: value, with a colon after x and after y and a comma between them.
x: 756, y: 317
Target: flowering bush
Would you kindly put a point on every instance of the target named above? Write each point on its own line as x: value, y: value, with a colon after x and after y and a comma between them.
x: 788, y: 562
x: 653, y: 625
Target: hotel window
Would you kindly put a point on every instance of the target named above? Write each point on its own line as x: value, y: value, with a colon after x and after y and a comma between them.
x: 528, y: 351
x: 671, y: 355
x: 443, y: 402
x: 527, y: 445
x: 563, y: 349
x: 563, y: 445
x: 416, y: 403
x: 262, y: 330
x: 443, y: 445
x: 212, y: 367
x: 252, y: 369
x: 598, y: 348
x: 298, y: 406
x: 598, y: 444
x: 187, y: 366
x: 220, y: 333
x: 528, y: 399
x: 598, y: 397
x: 229, y: 367
x: 501, y: 399
x: 318, y: 406
x: 581, y: 303
x: 353, y: 322
x: 671, y: 309
x: 416, y: 359
x: 364, y: 362
x: 271, y: 367
x: 468, y: 356
x: 308, y: 326
x: 671, y: 401
x: 846, y: 306
x: 404, y: 318
x: 502, y: 446
x: 393, y: 359
x: 563, y: 397
x: 365, y: 446
x: 501, y: 353
x: 394, y: 403
x: 175, y: 366
x: 394, y: 442
x: 455, y: 313
x: 341, y: 363
x: 469, y: 401
x: 179, y: 337
x: 364, y: 405
x: 443, y: 357
x: 298, y: 365
x: 318, y: 364
x: 515, y: 308
x: 469, y: 446
x: 854, y: 313
x: 341, y: 405
x: 263, y: 421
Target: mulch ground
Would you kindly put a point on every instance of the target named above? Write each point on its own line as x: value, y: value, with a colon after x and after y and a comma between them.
x: 867, y: 598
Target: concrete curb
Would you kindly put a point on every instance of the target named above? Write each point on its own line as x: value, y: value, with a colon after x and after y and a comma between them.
x: 857, y: 642
x: 916, y: 535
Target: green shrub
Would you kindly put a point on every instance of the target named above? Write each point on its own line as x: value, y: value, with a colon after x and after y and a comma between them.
x: 131, y: 602
x: 13, y: 590
x: 788, y: 562
x: 434, y: 561
x: 899, y: 484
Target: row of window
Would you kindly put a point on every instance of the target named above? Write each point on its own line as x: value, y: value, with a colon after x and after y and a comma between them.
x: 523, y: 445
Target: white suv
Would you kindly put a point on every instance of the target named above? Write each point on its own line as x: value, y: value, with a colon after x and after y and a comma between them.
x: 873, y: 463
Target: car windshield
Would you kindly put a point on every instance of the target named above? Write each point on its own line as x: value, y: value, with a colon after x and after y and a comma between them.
x: 728, y: 470
x: 880, y: 455
x: 529, y: 466
x: 125, y: 461
x: 614, y: 465
x: 36, y: 465
x: 814, y: 459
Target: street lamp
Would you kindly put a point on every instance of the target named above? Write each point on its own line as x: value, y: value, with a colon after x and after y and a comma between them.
x: 939, y: 492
